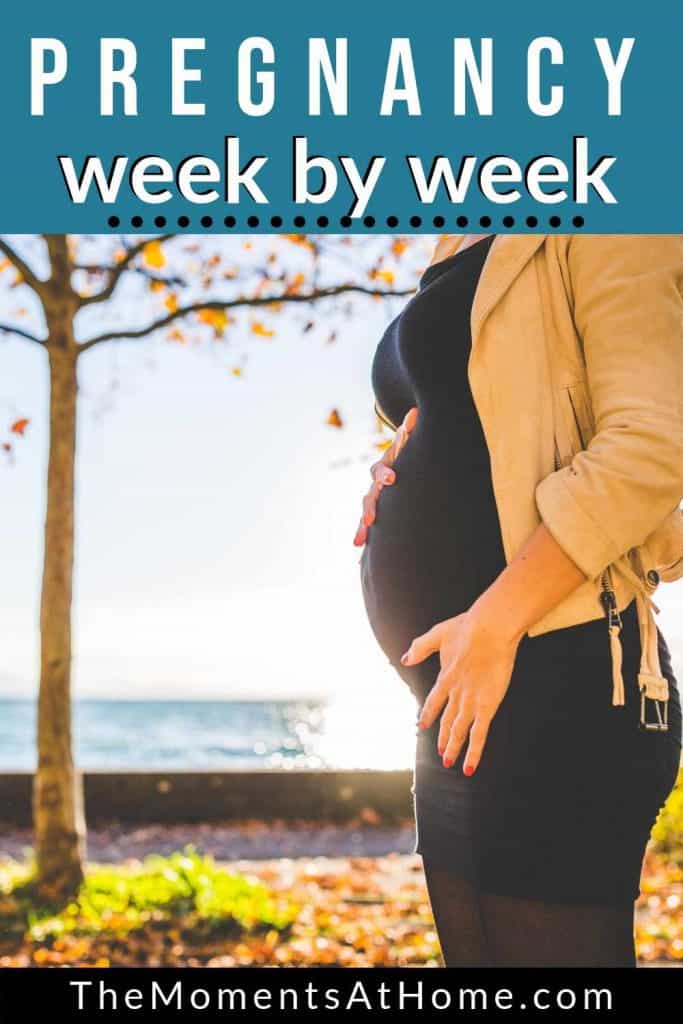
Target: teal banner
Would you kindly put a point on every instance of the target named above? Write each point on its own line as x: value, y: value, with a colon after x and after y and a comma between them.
x: 352, y: 117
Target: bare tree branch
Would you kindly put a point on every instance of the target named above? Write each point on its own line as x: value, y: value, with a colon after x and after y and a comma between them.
x: 20, y: 332
x: 29, y: 277
x: 172, y: 281
x: 268, y: 300
x: 117, y: 270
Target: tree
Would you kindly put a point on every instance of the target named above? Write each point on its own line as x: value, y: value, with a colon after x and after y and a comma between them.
x: 70, y: 288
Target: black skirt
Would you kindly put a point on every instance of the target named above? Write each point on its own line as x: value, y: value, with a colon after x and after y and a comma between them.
x: 564, y: 799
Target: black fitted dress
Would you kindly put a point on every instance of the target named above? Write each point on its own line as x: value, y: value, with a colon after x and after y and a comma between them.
x: 568, y: 788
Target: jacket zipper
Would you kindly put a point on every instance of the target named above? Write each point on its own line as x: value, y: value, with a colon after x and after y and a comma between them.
x: 608, y: 599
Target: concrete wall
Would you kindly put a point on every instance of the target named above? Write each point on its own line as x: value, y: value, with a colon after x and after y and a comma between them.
x: 220, y: 796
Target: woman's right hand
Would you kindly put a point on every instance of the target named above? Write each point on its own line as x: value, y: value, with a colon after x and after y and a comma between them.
x: 383, y: 474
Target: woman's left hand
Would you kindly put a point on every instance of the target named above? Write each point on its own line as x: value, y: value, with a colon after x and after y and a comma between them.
x: 477, y: 657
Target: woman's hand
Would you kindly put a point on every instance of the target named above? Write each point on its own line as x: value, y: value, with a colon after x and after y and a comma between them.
x: 478, y: 648
x: 382, y: 474
x: 477, y: 658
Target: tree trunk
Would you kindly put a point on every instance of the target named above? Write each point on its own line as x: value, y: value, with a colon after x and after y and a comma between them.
x: 57, y: 794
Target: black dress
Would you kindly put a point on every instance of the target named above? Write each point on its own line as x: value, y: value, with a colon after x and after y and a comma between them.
x: 568, y: 788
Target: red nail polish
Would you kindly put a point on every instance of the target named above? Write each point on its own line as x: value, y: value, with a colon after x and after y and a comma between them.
x: 447, y: 762
x: 468, y: 769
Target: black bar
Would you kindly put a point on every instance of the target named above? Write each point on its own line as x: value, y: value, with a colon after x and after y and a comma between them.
x: 219, y: 994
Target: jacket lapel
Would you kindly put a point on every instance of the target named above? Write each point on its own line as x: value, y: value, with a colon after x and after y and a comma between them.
x: 506, y: 258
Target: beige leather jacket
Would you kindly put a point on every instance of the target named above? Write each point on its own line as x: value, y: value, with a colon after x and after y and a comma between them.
x: 576, y: 369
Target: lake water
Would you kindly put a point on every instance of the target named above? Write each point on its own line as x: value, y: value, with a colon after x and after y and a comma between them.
x: 187, y: 735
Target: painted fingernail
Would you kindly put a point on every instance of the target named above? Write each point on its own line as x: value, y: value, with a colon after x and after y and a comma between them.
x: 404, y: 658
x: 447, y: 762
x: 469, y: 769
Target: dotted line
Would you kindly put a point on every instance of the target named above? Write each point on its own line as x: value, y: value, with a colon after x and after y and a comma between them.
x: 347, y: 222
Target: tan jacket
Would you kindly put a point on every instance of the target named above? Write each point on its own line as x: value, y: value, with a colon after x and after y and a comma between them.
x: 576, y: 369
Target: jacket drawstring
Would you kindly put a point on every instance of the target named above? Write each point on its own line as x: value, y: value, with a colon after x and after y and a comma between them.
x: 652, y: 684
x: 618, y: 696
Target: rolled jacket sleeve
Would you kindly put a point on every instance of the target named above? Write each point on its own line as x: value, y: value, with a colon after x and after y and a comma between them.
x: 628, y: 311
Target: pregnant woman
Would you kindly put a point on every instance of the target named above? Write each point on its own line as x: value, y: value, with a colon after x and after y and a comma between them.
x: 513, y: 535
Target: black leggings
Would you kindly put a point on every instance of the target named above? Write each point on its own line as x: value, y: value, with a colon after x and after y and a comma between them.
x: 480, y: 929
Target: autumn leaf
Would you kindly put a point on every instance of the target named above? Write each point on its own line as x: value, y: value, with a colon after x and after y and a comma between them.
x: 382, y: 275
x: 237, y: 371
x: 383, y: 445
x: 258, y: 328
x: 295, y: 284
x: 399, y: 246
x: 153, y: 255
x: 260, y: 287
x: 156, y: 286
x: 176, y: 335
x: 216, y: 318
x: 171, y: 303
x: 208, y: 316
x: 19, y: 427
x: 334, y: 419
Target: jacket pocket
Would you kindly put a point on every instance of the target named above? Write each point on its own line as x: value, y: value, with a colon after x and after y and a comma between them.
x: 574, y: 422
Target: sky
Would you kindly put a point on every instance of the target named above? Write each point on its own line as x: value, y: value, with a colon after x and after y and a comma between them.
x: 215, y: 514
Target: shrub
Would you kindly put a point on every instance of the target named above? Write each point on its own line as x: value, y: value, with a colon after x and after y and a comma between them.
x: 667, y: 834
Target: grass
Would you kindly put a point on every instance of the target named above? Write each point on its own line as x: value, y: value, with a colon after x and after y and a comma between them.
x: 185, y: 887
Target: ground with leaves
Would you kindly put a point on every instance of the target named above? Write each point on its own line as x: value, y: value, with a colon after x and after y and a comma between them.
x: 357, y: 907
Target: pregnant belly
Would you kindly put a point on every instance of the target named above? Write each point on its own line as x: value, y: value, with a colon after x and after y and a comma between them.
x: 433, y: 548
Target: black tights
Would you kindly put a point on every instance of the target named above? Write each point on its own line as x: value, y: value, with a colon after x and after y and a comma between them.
x: 479, y: 929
